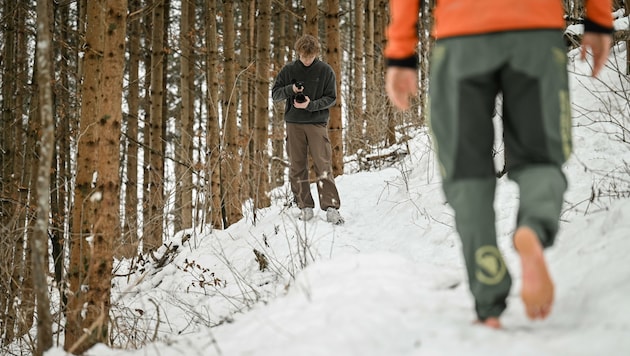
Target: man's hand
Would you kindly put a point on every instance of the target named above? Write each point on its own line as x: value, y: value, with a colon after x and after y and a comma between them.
x: 599, y: 44
x: 302, y: 105
x: 401, y: 83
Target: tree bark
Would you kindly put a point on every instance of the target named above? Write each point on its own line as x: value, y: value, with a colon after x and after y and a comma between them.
x: 128, y: 244
x: 12, y: 240
x: 213, y: 144
x: 22, y: 171
x: 627, y: 14
x: 426, y: 44
x: 370, y: 75
x: 333, y: 57
x: 185, y: 163
x: 152, y: 236
x: 107, y: 223
x: 147, y: 57
x: 244, y: 85
x: 84, y: 209
x: 230, y: 170
x: 67, y: 120
x: 387, y: 115
x: 261, y: 136
x: 47, y: 141
x: 356, y: 119
x: 90, y: 302
x: 311, y: 27
x: 280, y: 45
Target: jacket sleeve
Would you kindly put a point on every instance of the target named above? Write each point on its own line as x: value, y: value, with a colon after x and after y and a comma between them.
x: 598, y: 16
x: 402, y: 33
x: 281, y: 89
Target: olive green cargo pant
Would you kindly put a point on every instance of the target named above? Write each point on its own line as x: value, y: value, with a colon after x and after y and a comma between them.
x: 467, y: 73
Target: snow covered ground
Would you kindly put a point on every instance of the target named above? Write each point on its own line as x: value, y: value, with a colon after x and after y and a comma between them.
x: 391, y: 281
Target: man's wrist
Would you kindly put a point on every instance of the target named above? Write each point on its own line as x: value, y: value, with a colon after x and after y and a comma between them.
x: 408, y: 62
x: 591, y: 26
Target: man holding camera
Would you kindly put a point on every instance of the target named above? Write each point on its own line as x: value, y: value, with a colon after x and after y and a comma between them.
x: 308, y: 86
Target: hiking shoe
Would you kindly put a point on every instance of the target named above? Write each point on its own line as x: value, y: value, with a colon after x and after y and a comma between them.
x: 333, y: 216
x: 306, y: 214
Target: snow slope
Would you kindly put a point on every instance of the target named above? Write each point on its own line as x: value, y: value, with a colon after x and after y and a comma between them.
x: 391, y: 281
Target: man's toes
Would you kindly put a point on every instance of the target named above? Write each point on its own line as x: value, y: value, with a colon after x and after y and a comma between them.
x: 538, y: 311
x: 545, y: 311
x: 530, y: 311
x: 491, y: 322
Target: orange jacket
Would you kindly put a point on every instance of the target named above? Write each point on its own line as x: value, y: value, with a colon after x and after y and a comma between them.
x: 471, y: 17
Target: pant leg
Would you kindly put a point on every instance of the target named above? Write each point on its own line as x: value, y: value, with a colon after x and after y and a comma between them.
x: 297, y: 150
x: 537, y: 126
x: 531, y: 70
x: 321, y: 153
x: 488, y: 277
x: 542, y: 189
x: 464, y: 84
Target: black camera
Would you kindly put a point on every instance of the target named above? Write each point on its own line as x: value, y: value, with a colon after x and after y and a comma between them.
x: 299, y: 97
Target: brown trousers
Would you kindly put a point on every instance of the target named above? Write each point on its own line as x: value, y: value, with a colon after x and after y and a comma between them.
x: 303, y: 139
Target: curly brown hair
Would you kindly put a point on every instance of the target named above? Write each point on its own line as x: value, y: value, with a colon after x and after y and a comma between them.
x: 307, y: 45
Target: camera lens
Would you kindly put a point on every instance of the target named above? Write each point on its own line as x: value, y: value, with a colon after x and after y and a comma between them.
x: 300, y: 98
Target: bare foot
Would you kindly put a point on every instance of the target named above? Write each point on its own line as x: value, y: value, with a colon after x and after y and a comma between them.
x: 537, y: 289
x: 492, y: 323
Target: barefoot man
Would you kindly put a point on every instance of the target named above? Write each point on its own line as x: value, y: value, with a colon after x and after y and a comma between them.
x: 483, y: 48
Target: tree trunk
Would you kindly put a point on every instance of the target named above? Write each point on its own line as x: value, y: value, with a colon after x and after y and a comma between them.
x: 7, y: 120
x: 311, y: 27
x: 389, y: 134
x: 356, y: 119
x: 230, y: 170
x: 107, y: 224
x: 84, y: 209
x: 15, y: 178
x: 23, y: 163
x: 147, y: 57
x: 280, y: 44
x: 213, y: 145
x: 261, y: 136
x: 627, y: 14
x: 333, y: 57
x: 295, y: 26
x: 244, y: 87
x: 12, y: 241
x: 426, y: 44
x: 370, y: 76
x: 152, y: 236
x: 89, y: 312
x: 128, y: 244
x: 185, y: 163
x: 47, y: 141
x: 66, y: 113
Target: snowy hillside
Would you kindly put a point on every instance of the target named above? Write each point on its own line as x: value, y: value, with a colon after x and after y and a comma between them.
x: 391, y: 281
